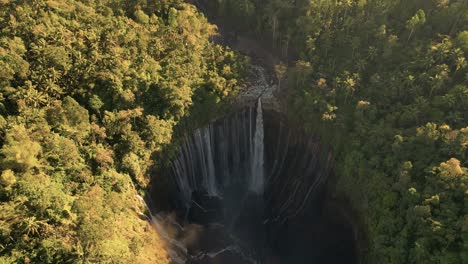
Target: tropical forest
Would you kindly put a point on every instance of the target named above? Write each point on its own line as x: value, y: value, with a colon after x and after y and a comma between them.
x: 234, y: 131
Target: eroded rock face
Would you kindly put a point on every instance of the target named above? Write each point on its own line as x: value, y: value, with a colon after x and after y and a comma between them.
x: 261, y: 85
x: 222, y: 159
x: 228, y: 218
x: 288, y: 222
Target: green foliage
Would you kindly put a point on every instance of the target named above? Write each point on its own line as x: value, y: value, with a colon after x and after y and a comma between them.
x: 19, y: 151
x: 90, y: 92
x: 384, y: 82
x: 69, y: 118
x: 415, y: 21
x: 141, y: 17
x: 8, y: 178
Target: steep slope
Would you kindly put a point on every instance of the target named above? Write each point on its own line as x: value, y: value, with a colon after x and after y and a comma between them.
x: 385, y: 83
x: 89, y: 94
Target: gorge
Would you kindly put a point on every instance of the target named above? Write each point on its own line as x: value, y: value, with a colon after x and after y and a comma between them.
x: 233, y: 131
x: 251, y: 187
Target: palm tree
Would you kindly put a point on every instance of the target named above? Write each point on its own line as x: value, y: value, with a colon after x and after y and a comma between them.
x: 32, y: 226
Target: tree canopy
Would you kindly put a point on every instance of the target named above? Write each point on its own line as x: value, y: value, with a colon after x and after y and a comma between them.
x: 385, y: 82
x: 90, y: 92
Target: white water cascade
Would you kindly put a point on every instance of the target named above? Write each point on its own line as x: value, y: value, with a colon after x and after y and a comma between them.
x: 239, y: 176
x: 257, y: 174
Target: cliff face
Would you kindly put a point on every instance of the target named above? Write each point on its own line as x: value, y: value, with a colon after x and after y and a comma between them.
x: 222, y: 156
x: 262, y: 85
x: 287, y: 220
x: 295, y: 218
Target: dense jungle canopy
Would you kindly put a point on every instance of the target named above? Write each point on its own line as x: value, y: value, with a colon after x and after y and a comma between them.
x: 91, y: 92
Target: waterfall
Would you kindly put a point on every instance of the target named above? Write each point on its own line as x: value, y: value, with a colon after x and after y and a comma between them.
x: 230, y: 158
x: 257, y: 173
x: 217, y: 169
x: 215, y: 158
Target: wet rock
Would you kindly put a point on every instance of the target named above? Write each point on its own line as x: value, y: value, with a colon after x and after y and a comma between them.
x: 260, y: 85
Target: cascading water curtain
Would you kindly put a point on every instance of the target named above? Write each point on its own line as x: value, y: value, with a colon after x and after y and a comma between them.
x: 257, y: 173
x: 229, y: 155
